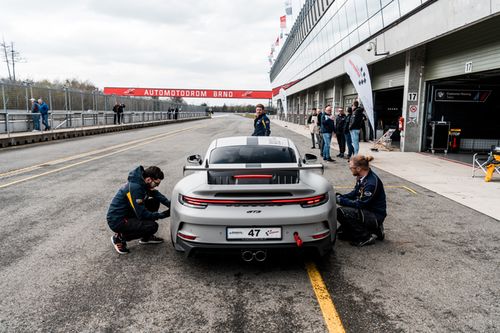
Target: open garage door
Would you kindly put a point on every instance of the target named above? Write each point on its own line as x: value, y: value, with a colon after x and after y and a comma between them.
x: 471, y: 105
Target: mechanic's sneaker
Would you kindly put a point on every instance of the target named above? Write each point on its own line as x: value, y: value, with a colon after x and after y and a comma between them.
x: 151, y: 240
x: 342, y: 235
x: 380, y: 233
x: 369, y: 241
x: 119, y: 244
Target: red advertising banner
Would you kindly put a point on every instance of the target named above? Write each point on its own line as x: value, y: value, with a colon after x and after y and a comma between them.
x: 188, y: 93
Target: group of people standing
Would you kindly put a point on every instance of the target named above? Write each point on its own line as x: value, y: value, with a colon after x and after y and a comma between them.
x: 346, y: 127
x: 118, y: 116
x: 39, y: 108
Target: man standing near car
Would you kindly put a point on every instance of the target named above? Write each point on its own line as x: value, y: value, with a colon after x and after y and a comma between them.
x: 327, y: 129
x: 355, y: 125
x: 261, y: 123
x: 134, y: 209
x: 363, y: 210
x: 339, y: 126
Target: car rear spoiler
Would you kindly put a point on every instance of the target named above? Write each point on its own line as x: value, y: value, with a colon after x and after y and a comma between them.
x: 256, y: 168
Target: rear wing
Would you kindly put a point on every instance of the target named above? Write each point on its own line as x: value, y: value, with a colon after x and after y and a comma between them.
x: 254, y: 168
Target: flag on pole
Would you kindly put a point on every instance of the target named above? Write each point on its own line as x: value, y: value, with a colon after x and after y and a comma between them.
x: 288, y: 7
x: 357, y: 70
x: 283, y: 22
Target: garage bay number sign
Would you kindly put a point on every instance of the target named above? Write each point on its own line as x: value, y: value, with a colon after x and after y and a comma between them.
x: 458, y: 95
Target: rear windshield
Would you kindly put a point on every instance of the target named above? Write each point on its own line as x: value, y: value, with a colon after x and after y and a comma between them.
x: 252, y: 154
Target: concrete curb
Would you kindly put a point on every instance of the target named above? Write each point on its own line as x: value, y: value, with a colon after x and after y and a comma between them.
x: 17, y: 139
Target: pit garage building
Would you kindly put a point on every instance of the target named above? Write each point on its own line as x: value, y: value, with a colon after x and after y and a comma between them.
x: 430, y: 62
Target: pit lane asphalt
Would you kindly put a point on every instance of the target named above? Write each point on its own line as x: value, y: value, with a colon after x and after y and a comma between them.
x: 437, y: 270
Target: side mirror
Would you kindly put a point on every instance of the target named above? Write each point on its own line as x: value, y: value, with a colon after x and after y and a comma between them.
x: 195, y: 159
x: 310, y: 158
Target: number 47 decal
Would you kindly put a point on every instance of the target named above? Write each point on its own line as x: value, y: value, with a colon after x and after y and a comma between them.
x: 254, y: 232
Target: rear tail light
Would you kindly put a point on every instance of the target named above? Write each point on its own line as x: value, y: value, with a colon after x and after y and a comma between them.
x: 253, y: 176
x: 203, y: 203
x: 192, y: 202
x: 186, y: 236
x: 315, y: 201
x: 321, y: 235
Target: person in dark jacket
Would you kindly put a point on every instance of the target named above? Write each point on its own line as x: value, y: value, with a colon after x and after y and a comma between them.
x: 363, y: 210
x: 321, y: 114
x: 347, y: 133
x: 35, y: 115
x: 339, y: 126
x: 357, y: 120
x: 118, y: 110
x: 261, y: 123
x: 134, y: 209
x: 327, y: 130
x: 44, y: 111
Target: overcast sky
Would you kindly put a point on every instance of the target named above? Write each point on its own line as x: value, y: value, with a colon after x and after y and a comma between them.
x: 216, y: 44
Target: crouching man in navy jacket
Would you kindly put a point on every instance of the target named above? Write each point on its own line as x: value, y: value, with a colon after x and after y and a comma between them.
x: 363, y: 210
x: 134, y: 209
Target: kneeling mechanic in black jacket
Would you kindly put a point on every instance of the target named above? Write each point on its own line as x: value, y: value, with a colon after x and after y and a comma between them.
x: 134, y: 209
x: 363, y: 210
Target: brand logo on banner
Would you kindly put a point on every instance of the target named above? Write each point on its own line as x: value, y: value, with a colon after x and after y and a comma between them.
x: 357, y: 70
x: 188, y: 93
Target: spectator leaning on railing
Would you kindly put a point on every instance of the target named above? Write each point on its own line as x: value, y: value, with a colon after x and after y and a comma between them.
x: 44, y: 111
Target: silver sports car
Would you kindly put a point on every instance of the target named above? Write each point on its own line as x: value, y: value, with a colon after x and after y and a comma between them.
x: 252, y: 194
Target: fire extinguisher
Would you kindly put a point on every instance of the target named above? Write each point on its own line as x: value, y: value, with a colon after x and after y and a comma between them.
x: 401, y: 124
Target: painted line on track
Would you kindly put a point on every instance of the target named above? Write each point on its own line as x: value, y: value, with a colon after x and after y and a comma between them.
x: 74, y: 157
x: 156, y: 138
x: 409, y: 189
x: 330, y: 315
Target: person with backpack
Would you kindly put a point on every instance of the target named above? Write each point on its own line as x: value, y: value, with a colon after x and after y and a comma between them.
x: 44, y: 111
x: 35, y: 110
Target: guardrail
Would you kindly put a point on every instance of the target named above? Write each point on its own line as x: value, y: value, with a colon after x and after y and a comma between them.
x: 15, y: 121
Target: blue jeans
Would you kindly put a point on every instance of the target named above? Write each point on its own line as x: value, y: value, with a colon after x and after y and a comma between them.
x: 45, y: 120
x: 348, y: 141
x: 36, y: 121
x: 355, y: 140
x: 327, y: 137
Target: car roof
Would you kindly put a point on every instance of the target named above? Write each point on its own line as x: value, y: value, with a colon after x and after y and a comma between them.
x: 253, y: 140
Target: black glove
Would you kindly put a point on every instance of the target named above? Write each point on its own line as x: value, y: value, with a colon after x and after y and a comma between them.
x: 164, y: 214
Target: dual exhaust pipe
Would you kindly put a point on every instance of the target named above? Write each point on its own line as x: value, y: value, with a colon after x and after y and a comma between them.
x: 259, y: 255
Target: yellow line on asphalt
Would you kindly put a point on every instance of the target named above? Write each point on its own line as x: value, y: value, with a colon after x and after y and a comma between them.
x: 156, y: 138
x: 409, y: 189
x: 74, y: 157
x: 332, y: 318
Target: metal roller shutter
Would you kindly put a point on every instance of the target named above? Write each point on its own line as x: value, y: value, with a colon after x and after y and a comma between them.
x: 388, y: 73
x: 478, y: 44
